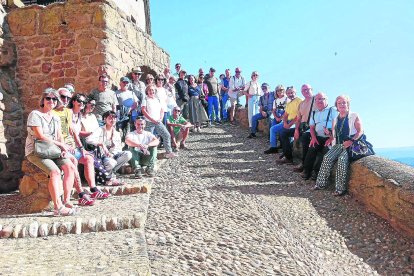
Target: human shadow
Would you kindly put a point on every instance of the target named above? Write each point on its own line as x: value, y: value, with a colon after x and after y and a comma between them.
x: 369, y: 240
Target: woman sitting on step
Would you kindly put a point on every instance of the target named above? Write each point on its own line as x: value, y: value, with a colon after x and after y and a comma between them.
x: 109, y: 142
x: 43, y: 125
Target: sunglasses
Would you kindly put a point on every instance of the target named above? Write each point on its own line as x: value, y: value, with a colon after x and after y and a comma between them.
x: 63, y: 97
x: 51, y: 99
x: 80, y: 101
x: 137, y: 73
x: 176, y: 110
x: 92, y: 104
x: 255, y: 75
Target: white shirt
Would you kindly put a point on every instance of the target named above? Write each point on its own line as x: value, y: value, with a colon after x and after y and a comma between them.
x: 143, y: 139
x: 153, y: 107
x: 235, y: 83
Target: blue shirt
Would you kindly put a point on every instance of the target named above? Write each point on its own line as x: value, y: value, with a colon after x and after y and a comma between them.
x: 226, y: 83
x: 266, y: 102
x: 194, y: 91
x: 320, y: 119
x: 342, y: 129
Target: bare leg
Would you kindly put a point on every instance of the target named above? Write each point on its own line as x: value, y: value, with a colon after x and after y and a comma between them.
x: 68, y: 179
x: 89, y: 170
x: 54, y: 188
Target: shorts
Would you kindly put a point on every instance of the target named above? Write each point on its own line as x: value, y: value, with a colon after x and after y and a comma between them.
x: 179, y: 136
x: 233, y: 101
x: 47, y: 165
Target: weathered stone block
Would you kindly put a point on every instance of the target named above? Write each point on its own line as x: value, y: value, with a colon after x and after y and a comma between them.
x: 71, y: 72
x: 97, y: 60
x: 50, y: 20
x: 7, y: 56
x: 87, y: 44
x: 23, y: 22
x: 28, y: 185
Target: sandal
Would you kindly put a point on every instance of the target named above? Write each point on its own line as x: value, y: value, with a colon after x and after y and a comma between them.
x: 64, y: 211
x: 339, y: 193
x: 114, y: 183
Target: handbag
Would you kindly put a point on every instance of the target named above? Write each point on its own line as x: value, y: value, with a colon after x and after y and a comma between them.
x: 46, y: 150
x: 360, y: 148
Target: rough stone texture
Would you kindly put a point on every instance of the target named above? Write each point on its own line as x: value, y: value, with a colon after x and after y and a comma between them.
x: 72, y: 42
x: 225, y: 208
x: 34, y: 190
x: 386, y: 188
x: 11, y: 113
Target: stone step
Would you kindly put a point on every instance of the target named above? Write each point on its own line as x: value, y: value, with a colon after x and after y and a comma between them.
x: 134, y: 186
x: 112, y: 214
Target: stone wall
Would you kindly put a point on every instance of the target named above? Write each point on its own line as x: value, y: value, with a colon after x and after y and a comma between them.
x: 383, y: 186
x: 11, y: 113
x: 386, y: 188
x: 60, y: 43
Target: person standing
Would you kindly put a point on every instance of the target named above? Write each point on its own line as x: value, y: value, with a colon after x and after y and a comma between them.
x: 236, y: 85
x: 224, y: 95
x: 213, y: 95
x: 104, y: 97
x: 252, y: 92
x: 138, y: 87
x: 181, y: 86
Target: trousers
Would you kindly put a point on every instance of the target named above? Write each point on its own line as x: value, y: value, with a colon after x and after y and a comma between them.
x: 337, y: 152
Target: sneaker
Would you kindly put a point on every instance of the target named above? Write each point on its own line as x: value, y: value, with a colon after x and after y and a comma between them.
x: 86, y: 201
x: 150, y: 171
x: 210, y: 124
x: 100, y: 195
x: 270, y: 150
x: 138, y: 173
x: 219, y: 122
x: 170, y: 155
x: 252, y: 135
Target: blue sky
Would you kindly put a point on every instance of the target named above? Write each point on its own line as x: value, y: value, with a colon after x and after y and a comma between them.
x: 364, y: 49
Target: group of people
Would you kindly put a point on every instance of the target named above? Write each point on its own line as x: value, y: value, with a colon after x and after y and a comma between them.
x: 107, y: 129
x: 102, y: 132
x: 325, y: 132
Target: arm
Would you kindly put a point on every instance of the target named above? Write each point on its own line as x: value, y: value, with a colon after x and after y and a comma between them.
x: 145, y: 113
x: 358, y: 134
x: 298, y: 121
x: 314, y: 140
x: 154, y: 142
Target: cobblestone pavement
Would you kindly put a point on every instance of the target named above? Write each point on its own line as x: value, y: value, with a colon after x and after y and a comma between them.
x: 224, y: 208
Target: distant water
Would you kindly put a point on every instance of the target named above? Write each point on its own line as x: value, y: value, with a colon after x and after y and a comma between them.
x: 403, y: 155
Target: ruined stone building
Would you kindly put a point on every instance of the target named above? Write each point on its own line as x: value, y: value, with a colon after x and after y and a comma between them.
x: 67, y: 41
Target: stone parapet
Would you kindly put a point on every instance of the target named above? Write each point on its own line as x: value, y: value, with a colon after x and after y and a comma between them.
x: 383, y: 186
x: 386, y: 188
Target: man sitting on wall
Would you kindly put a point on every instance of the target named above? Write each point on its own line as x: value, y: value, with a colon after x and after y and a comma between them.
x: 143, y: 146
x: 178, y: 128
x: 320, y: 131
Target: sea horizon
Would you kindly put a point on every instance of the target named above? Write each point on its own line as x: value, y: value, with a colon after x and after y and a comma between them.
x: 404, y: 155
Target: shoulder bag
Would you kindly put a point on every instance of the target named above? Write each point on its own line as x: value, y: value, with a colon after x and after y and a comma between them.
x: 360, y: 148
